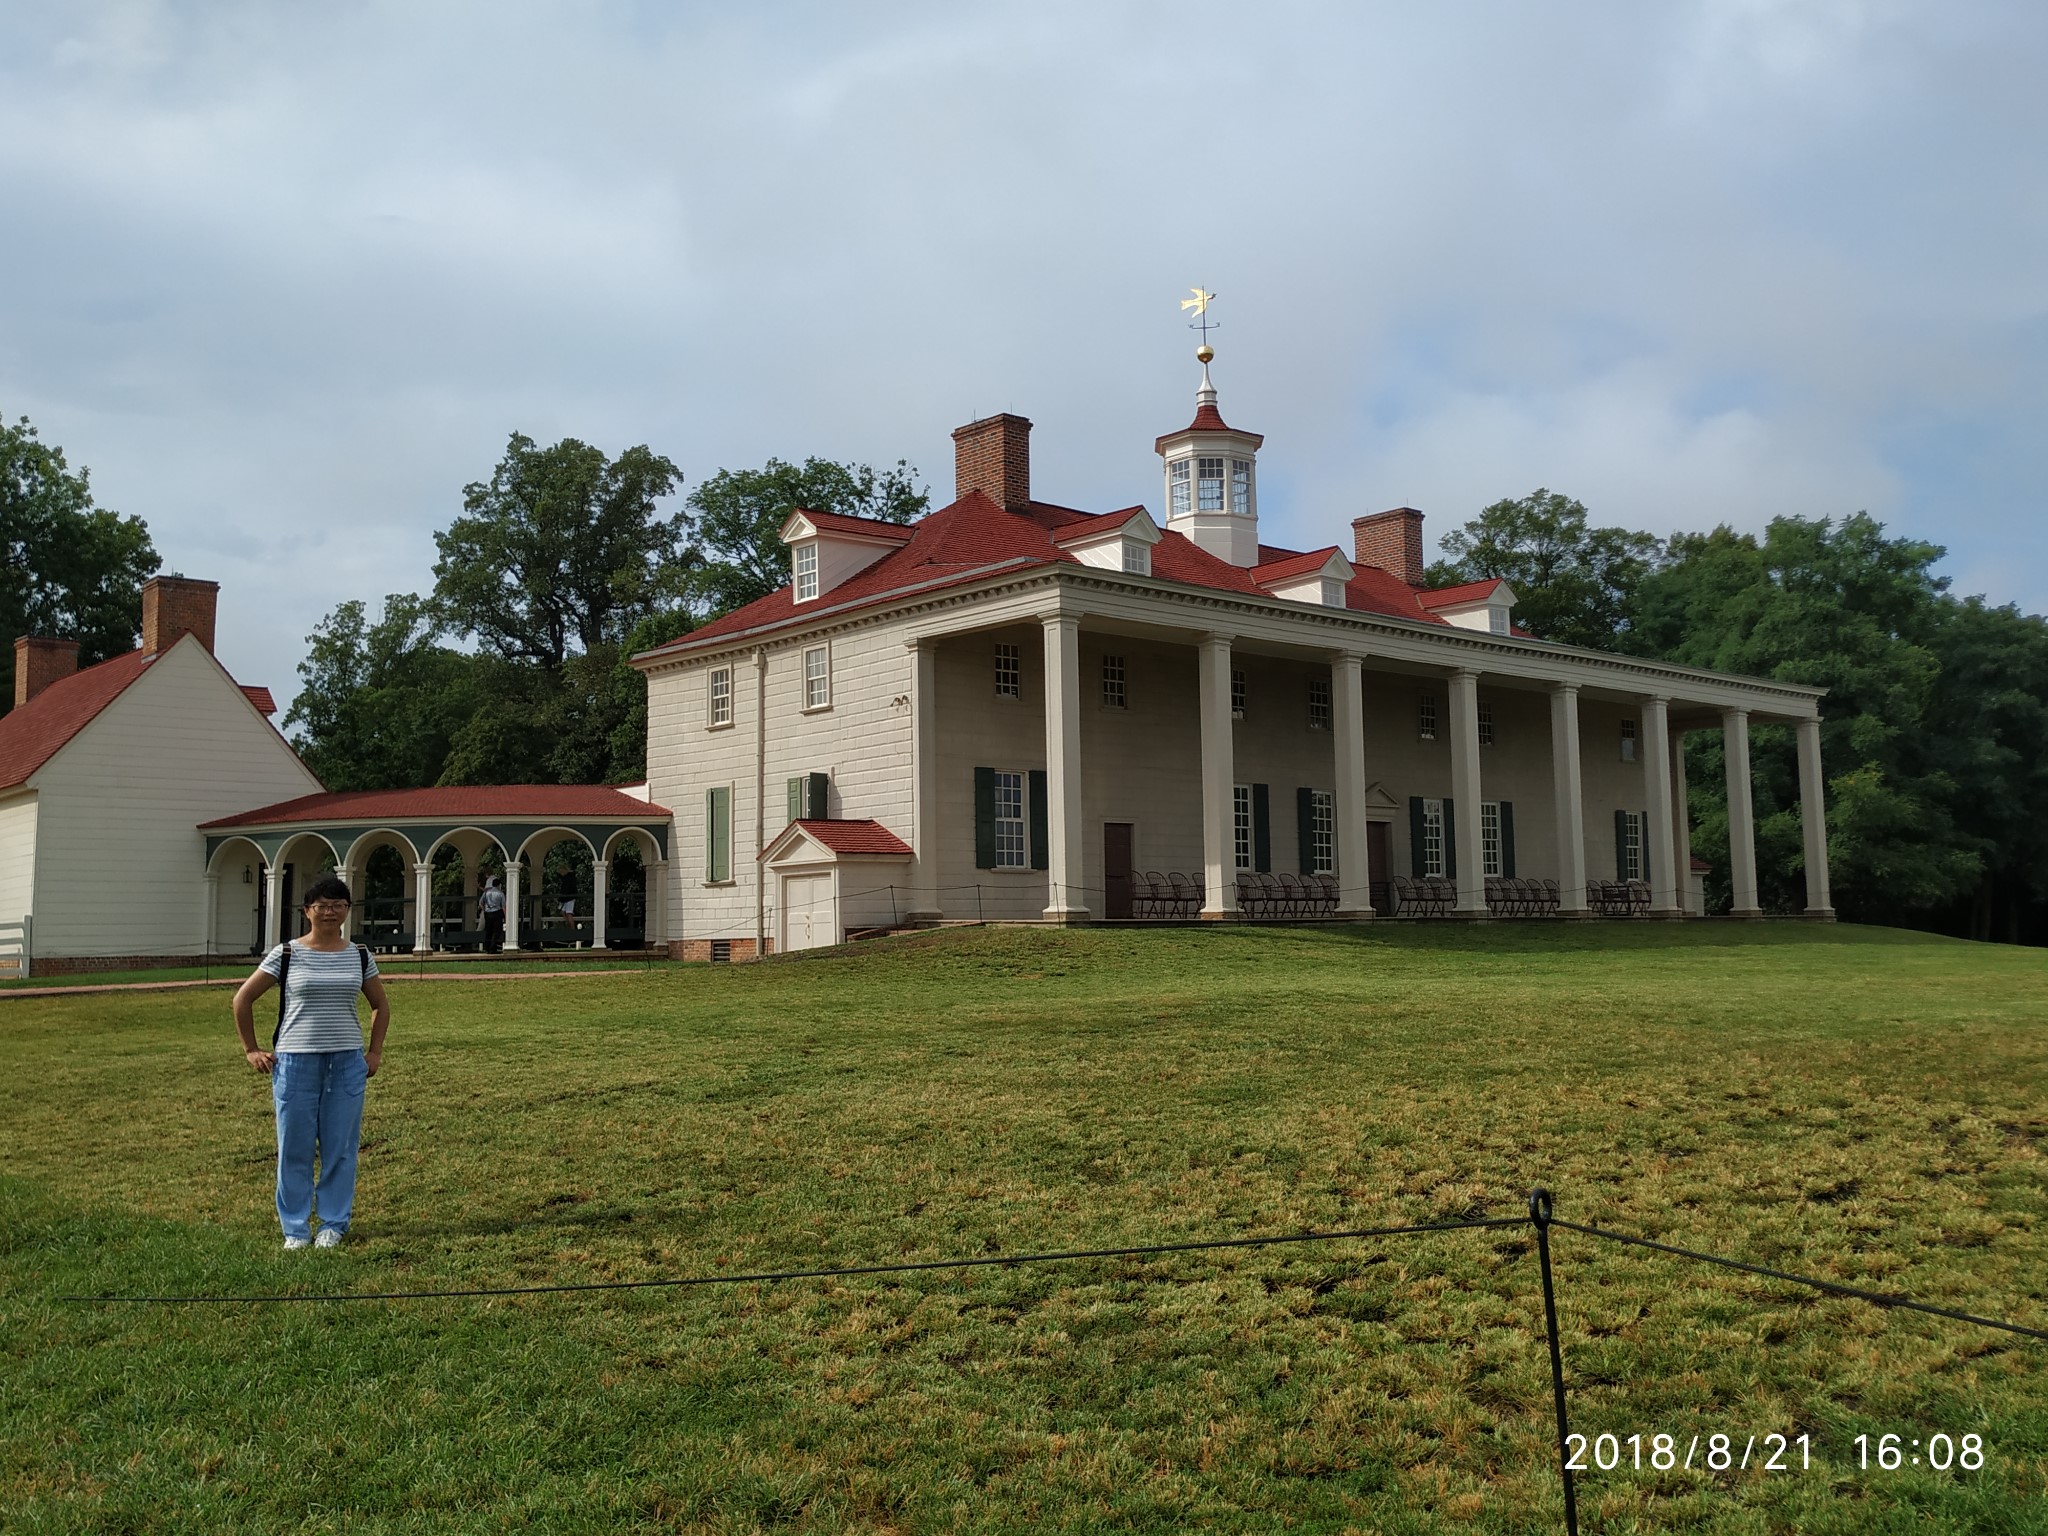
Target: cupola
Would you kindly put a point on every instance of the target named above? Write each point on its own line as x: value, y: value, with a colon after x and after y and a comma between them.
x: 1212, y: 479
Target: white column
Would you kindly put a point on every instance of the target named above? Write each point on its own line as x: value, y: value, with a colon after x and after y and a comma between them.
x: 1657, y: 790
x: 1219, y: 774
x: 1741, y: 813
x: 655, y: 918
x: 1465, y: 792
x: 600, y: 896
x: 1813, y: 820
x: 1347, y: 720
x: 208, y: 920
x: 273, y: 898
x: 1681, y: 823
x: 1570, y: 800
x: 925, y: 905
x: 422, y: 908
x: 512, y: 904
x: 1068, y: 896
x: 350, y: 875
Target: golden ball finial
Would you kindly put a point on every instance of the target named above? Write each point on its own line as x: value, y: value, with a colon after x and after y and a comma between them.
x: 1205, y: 353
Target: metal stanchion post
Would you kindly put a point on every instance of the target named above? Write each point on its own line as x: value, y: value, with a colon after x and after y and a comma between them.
x: 1540, y: 1209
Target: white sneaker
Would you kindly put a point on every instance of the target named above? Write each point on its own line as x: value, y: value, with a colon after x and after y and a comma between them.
x: 329, y: 1237
x: 298, y: 1242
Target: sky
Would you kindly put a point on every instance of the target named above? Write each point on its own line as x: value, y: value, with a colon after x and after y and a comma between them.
x: 285, y: 278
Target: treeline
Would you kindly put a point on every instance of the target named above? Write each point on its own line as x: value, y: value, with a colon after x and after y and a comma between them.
x: 1935, y: 729
x: 512, y: 669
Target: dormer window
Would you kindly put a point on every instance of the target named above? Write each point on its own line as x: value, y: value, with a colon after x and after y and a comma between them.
x: 1137, y: 558
x: 1499, y: 619
x: 805, y: 559
x: 1241, y: 487
x: 1333, y: 592
x: 1178, y: 474
x: 1209, y: 485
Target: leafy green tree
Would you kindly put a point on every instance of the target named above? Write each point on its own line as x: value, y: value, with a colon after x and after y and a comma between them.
x: 381, y: 703
x: 561, y: 550
x: 1572, y: 582
x: 68, y: 570
x: 737, y: 515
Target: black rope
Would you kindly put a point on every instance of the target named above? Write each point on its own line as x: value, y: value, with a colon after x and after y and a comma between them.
x: 1876, y: 1298
x: 763, y: 1277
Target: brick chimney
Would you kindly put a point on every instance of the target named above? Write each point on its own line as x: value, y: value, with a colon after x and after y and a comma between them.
x: 174, y: 606
x: 993, y: 456
x: 1392, y: 541
x: 39, y: 663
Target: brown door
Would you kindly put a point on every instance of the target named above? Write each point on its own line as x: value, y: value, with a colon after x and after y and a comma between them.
x: 1379, y: 852
x: 1116, y: 869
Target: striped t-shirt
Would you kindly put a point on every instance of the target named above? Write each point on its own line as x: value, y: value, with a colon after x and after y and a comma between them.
x: 320, y: 998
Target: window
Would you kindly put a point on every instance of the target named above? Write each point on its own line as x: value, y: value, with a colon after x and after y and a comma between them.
x: 1322, y: 842
x: 1113, y: 682
x: 806, y: 558
x: 1241, y: 821
x: 818, y: 677
x: 1011, y: 851
x: 1209, y: 485
x: 1241, y: 487
x: 1319, y: 703
x: 721, y: 696
x: 718, y: 834
x: 1237, y: 695
x: 1628, y: 741
x: 1137, y: 558
x: 1433, y: 837
x: 1485, y: 724
x: 1497, y: 621
x: 1489, y: 837
x: 1177, y: 480
x: 1630, y: 825
x: 1009, y: 673
x: 1425, y: 716
x: 1333, y: 592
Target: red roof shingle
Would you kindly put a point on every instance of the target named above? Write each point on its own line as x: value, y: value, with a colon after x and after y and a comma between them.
x: 856, y: 837
x: 497, y: 802
x: 36, y: 731
x: 864, y: 527
x: 1467, y: 592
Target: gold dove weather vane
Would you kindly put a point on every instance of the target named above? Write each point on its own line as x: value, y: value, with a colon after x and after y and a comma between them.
x: 1200, y: 305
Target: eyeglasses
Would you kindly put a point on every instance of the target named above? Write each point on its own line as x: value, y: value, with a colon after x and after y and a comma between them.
x: 326, y: 906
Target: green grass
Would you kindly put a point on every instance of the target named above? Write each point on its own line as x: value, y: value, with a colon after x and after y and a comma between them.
x: 1862, y: 1104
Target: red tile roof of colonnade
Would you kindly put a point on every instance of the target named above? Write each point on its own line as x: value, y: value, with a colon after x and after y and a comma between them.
x: 497, y: 802
x: 974, y: 538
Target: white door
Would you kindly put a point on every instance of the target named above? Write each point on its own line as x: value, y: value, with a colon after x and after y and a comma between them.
x: 807, y: 917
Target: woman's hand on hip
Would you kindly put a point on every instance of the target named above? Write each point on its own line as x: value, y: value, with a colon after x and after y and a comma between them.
x: 372, y: 1059
x: 262, y: 1061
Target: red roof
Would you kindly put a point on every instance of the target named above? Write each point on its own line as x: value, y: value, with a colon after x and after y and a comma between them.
x: 35, y: 732
x: 260, y: 697
x: 856, y: 837
x: 497, y: 802
x: 1469, y: 592
x: 1207, y: 419
x: 1093, y: 527
x: 1269, y: 571
x: 864, y: 527
x: 975, y: 538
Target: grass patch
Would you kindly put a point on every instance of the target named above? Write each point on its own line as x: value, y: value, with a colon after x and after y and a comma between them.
x: 1863, y: 1104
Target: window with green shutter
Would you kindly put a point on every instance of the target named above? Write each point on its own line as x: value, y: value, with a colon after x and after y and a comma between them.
x: 718, y: 834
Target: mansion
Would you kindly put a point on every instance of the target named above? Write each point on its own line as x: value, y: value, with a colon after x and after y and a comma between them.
x: 1008, y: 711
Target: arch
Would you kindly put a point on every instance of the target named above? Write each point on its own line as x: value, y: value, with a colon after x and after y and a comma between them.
x: 544, y: 838
x: 364, y: 839
x: 288, y: 847
x: 214, y: 863
x: 648, y: 844
x: 447, y: 836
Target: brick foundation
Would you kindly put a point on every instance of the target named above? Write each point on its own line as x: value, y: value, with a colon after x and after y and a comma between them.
x: 86, y: 965
x: 700, y: 949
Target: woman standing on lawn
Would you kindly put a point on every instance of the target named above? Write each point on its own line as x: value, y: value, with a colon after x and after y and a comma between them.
x: 317, y: 1065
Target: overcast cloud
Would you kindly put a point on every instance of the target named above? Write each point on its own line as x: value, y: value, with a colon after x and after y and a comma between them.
x: 285, y: 278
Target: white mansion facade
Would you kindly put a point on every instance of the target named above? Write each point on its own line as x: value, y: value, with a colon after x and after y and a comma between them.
x: 1012, y: 710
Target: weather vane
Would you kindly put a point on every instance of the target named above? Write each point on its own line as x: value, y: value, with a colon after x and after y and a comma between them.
x: 1200, y: 305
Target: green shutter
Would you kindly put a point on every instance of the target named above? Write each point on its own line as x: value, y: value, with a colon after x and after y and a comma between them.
x: 1646, y: 847
x: 718, y: 834
x: 1416, y: 867
x: 1450, y: 839
x: 1041, y: 821
x: 1305, y: 828
x: 1262, y: 827
x: 1621, y: 845
x: 794, y: 792
x: 820, y: 806
x: 984, y: 818
x: 1507, y: 839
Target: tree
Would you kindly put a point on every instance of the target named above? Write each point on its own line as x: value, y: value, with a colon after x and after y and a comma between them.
x: 1572, y: 582
x: 737, y: 515
x: 68, y: 570
x: 561, y: 550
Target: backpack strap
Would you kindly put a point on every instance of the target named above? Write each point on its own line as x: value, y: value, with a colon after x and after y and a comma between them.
x: 284, y: 969
x: 363, y: 956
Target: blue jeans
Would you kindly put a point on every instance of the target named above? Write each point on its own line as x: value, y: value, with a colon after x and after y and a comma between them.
x: 319, y: 1099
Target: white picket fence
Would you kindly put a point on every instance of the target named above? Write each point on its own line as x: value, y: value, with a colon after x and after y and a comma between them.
x: 14, y: 950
